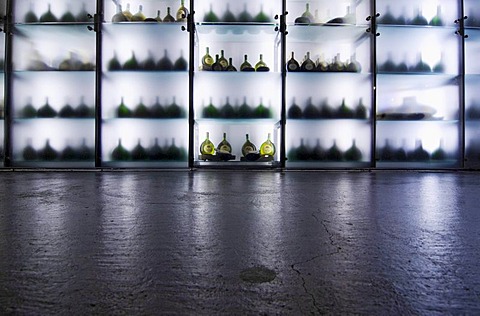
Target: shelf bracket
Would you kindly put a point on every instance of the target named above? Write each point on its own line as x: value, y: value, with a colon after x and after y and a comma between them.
x: 461, y: 30
x: 373, y: 24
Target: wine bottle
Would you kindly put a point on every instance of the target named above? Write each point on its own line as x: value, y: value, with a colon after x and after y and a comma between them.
x: 210, y: 17
x: 156, y: 152
x: 47, y: 153
x: 421, y: 66
x: 83, y: 15
x: 344, y: 112
x: 127, y: 13
x: 174, y: 110
x: 216, y: 65
x: 230, y: 66
x: 139, y: 152
x: 158, y: 18
x: 387, y: 17
x: 120, y: 153
x: 228, y: 16
x: 29, y: 110
x: 353, y: 153
x: 267, y: 148
x: 173, y: 152
x: 303, y: 153
x: 132, y: 63
x: 295, y: 112
x: 400, y: 153
x: 224, y: 146
x: 292, y: 64
x: 66, y: 111
x: 119, y: 16
x: 157, y: 110
x: 141, y: 111
x: 244, y: 16
x: 165, y: 64
x: 210, y: 111
x: 473, y: 111
x: 437, y: 19
x: 46, y: 111
x: 29, y: 153
x: 68, y: 153
x: 261, y: 66
x: 326, y: 111
x: 244, y: 111
x: 418, y: 154
x: 311, y: 111
x: 48, y: 17
x: 322, y: 65
x: 261, y: 17
x: 68, y: 17
x: 123, y: 111
x: 207, y: 147
x: 84, y: 152
x: 439, y: 153
x: 337, y: 65
x: 388, y: 65
x: 307, y: 15
x: 207, y: 60
x: 149, y: 64
x: 307, y: 64
x: 318, y: 152
x: 30, y: 16
x: 168, y: 18
x: 182, y: 12
x: 440, y: 66
x: 245, y: 66
x: 401, y: 19
x: 222, y: 60
x: 83, y: 110
x: 181, y: 63
x: 387, y: 152
x: 248, y: 147
x: 227, y: 111
x: 354, y: 65
x: 334, y: 153
x: 114, y: 63
x: 361, y: 112
x: 419, y: 19
x: 261, y: 111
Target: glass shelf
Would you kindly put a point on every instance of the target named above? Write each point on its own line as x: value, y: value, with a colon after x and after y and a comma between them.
x: 222, y: 121
x: 243, y: 33
x: 327, y: 33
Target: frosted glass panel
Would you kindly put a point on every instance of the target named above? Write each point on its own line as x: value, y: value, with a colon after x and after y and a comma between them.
x: 149, y: 7
x: 39, y: 10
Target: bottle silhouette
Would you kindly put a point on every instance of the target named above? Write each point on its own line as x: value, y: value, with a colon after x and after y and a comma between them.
x: 123, y: 111
x: 173, y: 152
x: 46, y: 111
x: 48, y: 17
x: 230, y: 66
x: 132, y: 63
x: 47, y: 153
x: 149, y: 64
x: 139, y: 152
x: 334, y: 153
x: 261, y: 17
x: 244, y: 111
x: 29, y: 110
x: 261, y: 111
x: 303, y: 152
x: 68, y: 17
x: 295, y: 112
x: 439, y: 153
x: 361, y: 111
x: 387, y: 152
x: 311, y: 111
x: 353, y: 153
x: 244, y: 16
x: 156, y: 152
x: 141, y: 111
x: 207, y: 147
x: 344, y: 112
x: 248, y: 147
x: 120, y: 153
x: 84, y: 111
x: 227, y: 111
x: 66, y: 111
x: 326, y: 111
x: 29, y: 153
x: 174, y: 110
x: 165, y: 64
x: 210, y: 16
x: 157, y: 110
x: 292, y: 64
x: 246, y: 66
x: 318, y: 152
x: 228, y: 16
x: 84, y: 152
x: 437, y: 19
x: 387, y: 17
x: 181, y: 63
x: 114, y: 63
x: 68, y: 153
x: 210, y: 111
x: 30, y: 16
x: 168, y: 18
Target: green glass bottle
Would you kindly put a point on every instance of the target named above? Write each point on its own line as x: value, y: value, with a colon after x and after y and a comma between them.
x: 244, y: 16
x: 165, y: 64
x: 227, y: 111
x: 295, y: 112
x: 29, y: 153
x: 267, y: 148
x: 261, y: 17
x: 168, y: 18
x: 353, y: 153
x: 181, y: 63
x: 48, y: 17
x: 210, y: 16
x: 182, y: 12
x: 210, y: 111
x: 224, y: 146
x: 207, y: 147
x: 123, y: 111
x: 132, y: 63
x: 48, y: 153
x: 261, y: 65
x: 207, y: 60
x: 157, y: 110
x: 248, y: 147
x: 261, y: 111
x: 228, y: 16
x: 120, y: 153
x: 139, y: 152
x: 344, y: 112
x: 334, y: 153
x: 244, y: 111
x: 246, y: 66
x: 31, y: 17
x: 156, y: 152
x: 141, y: 111
x: 46, y: 111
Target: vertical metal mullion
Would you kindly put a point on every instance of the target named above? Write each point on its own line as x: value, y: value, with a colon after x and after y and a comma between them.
x: 283, y: 110
x: 373, y: 67
x: 8, y: 65
x: 462, y: 88
x: 191, y: 67
x: 98, y: 20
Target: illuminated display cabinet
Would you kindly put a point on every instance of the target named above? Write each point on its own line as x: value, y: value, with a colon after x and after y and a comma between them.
x: 292, y: 84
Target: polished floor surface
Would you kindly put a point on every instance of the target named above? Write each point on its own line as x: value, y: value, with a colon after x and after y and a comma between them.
x: 240, y: 243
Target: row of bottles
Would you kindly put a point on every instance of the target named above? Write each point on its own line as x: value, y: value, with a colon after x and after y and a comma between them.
x: 242, y: 17
x: 156, y: 152
x: 307, y: 17
x: 220, y: 63
x: 139, y: 16
x: 389, y: 66
x: 416, y: 19
x: 243, y: 111
x: 149, y: 64
x: 48, y: 16
x: 305, y: 152
x: 70, y: 63
x: 321, y: 65
x: 48, y: 153
x: 67, y: 111
x: 155, y: 111
x: 391, y: 153
x: 249, y: 150
x: 325, y: 111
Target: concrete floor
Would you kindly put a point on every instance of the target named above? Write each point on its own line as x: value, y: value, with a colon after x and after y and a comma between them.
x: 239, y: 243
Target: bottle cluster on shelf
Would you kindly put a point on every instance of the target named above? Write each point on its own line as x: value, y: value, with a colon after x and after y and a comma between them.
x: 321, y: 65
x: 416, y: 19
x: 389, y: 66
x: 155, y: 111
x: 220, y: 63
x: 48, y: 153
x: 242, y: 111
x: 48, y: 17
x: 66, y: 111
x: 156, y: 152
x: 307, y: 18
x: 223, y: 151
x: 325, y: 111
x: 139, y: 16
x: 149, y: 64
x: 305, y: 152
x: 473, y: 111
x: 396, y: 154
x: 71, y: 63
x: 242, y: 17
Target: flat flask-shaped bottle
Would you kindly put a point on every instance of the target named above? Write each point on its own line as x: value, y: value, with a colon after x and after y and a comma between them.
x: 248, y: 147
x: 224, y: 146
x: 207, y: 147
x: 267, y: 148
x: 120, y: 153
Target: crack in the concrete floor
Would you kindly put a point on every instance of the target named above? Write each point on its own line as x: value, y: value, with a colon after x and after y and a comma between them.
x: 304, y: 283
